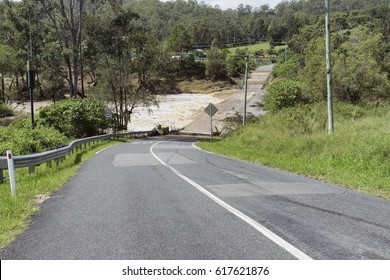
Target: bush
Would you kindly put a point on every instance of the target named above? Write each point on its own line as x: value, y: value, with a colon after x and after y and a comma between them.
x: 284, y: 94
x: 5, y: 111
x: 235, y: 63
x: 187, y: 67
x: 216, y: 65
x: 287, y: 69
x: 23, y: 140
x: 76, y: 118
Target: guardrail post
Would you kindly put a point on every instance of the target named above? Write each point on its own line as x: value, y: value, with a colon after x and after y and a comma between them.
x: 11, y: 171
x: 48, y: 164
x: 31, y: 169
x: 1, y: 176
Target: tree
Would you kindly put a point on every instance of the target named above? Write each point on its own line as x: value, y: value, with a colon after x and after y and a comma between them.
x: 314, y: 72
x: 22, y: 31
x: 179, y: 40
x: 8, y: 64
x: 66, y: 19
x: 216, y: 64
x: 357, y: 73
x: 235, y: 63
x: 129, y: 62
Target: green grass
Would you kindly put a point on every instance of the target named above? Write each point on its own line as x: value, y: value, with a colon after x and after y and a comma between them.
x: 256, y: 47
x: 16, y: 211
x: 355, y: 156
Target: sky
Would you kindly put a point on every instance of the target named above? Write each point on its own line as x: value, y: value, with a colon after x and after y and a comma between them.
x: 233, y: 4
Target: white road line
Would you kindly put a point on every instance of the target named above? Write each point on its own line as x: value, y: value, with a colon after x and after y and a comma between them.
x: 98, y: 152
x: 260, y: 228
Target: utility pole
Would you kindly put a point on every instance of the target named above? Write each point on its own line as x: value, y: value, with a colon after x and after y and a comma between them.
x: 246, y: 88
x: 328, y: 69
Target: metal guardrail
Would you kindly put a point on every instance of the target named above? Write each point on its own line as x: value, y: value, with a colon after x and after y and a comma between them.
x: 33, y: 160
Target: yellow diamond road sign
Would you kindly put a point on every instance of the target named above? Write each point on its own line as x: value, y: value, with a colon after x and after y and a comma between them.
x: 211, y: 110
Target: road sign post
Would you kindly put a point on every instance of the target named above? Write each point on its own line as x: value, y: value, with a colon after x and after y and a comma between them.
x: 211, y: 110
x: 11, y: 171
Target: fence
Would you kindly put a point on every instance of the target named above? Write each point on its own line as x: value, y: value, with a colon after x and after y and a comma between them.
x: 48, y: 157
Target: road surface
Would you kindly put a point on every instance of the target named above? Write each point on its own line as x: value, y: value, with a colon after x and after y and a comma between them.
x: 165, y: 199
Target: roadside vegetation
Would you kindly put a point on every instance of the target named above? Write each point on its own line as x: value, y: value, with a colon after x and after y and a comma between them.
x: 5, y: 111
x: 56, y: 125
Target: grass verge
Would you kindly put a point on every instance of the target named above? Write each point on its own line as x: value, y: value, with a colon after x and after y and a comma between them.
x: 33, y: 189
x: 355, y: 156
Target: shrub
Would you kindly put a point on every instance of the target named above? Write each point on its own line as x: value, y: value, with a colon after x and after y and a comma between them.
x: 188, y: 67
x: 76, y: 118
x: 235, y: 63
x: 23, y: 140
x: 284, y: 94
x: 216, y: 65
x: 287, y: 69
x: 5, y: 111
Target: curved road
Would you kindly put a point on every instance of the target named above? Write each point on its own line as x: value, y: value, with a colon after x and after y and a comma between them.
x: 165, y: 199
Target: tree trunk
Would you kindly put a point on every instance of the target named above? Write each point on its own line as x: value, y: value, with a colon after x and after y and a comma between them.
x: 2, y: 88
x: 70, y: 77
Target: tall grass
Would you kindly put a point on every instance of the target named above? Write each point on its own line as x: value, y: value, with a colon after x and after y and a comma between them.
x: 15, y: 211
x: 356, y: 155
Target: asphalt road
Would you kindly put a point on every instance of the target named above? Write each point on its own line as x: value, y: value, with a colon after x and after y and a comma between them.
x: 165, y: 199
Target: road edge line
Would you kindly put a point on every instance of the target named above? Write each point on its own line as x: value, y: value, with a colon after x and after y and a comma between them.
x: 260, y: 228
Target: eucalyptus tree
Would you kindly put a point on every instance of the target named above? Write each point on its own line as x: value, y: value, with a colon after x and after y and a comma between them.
x: 180, y: 40
x: 66, y: 22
